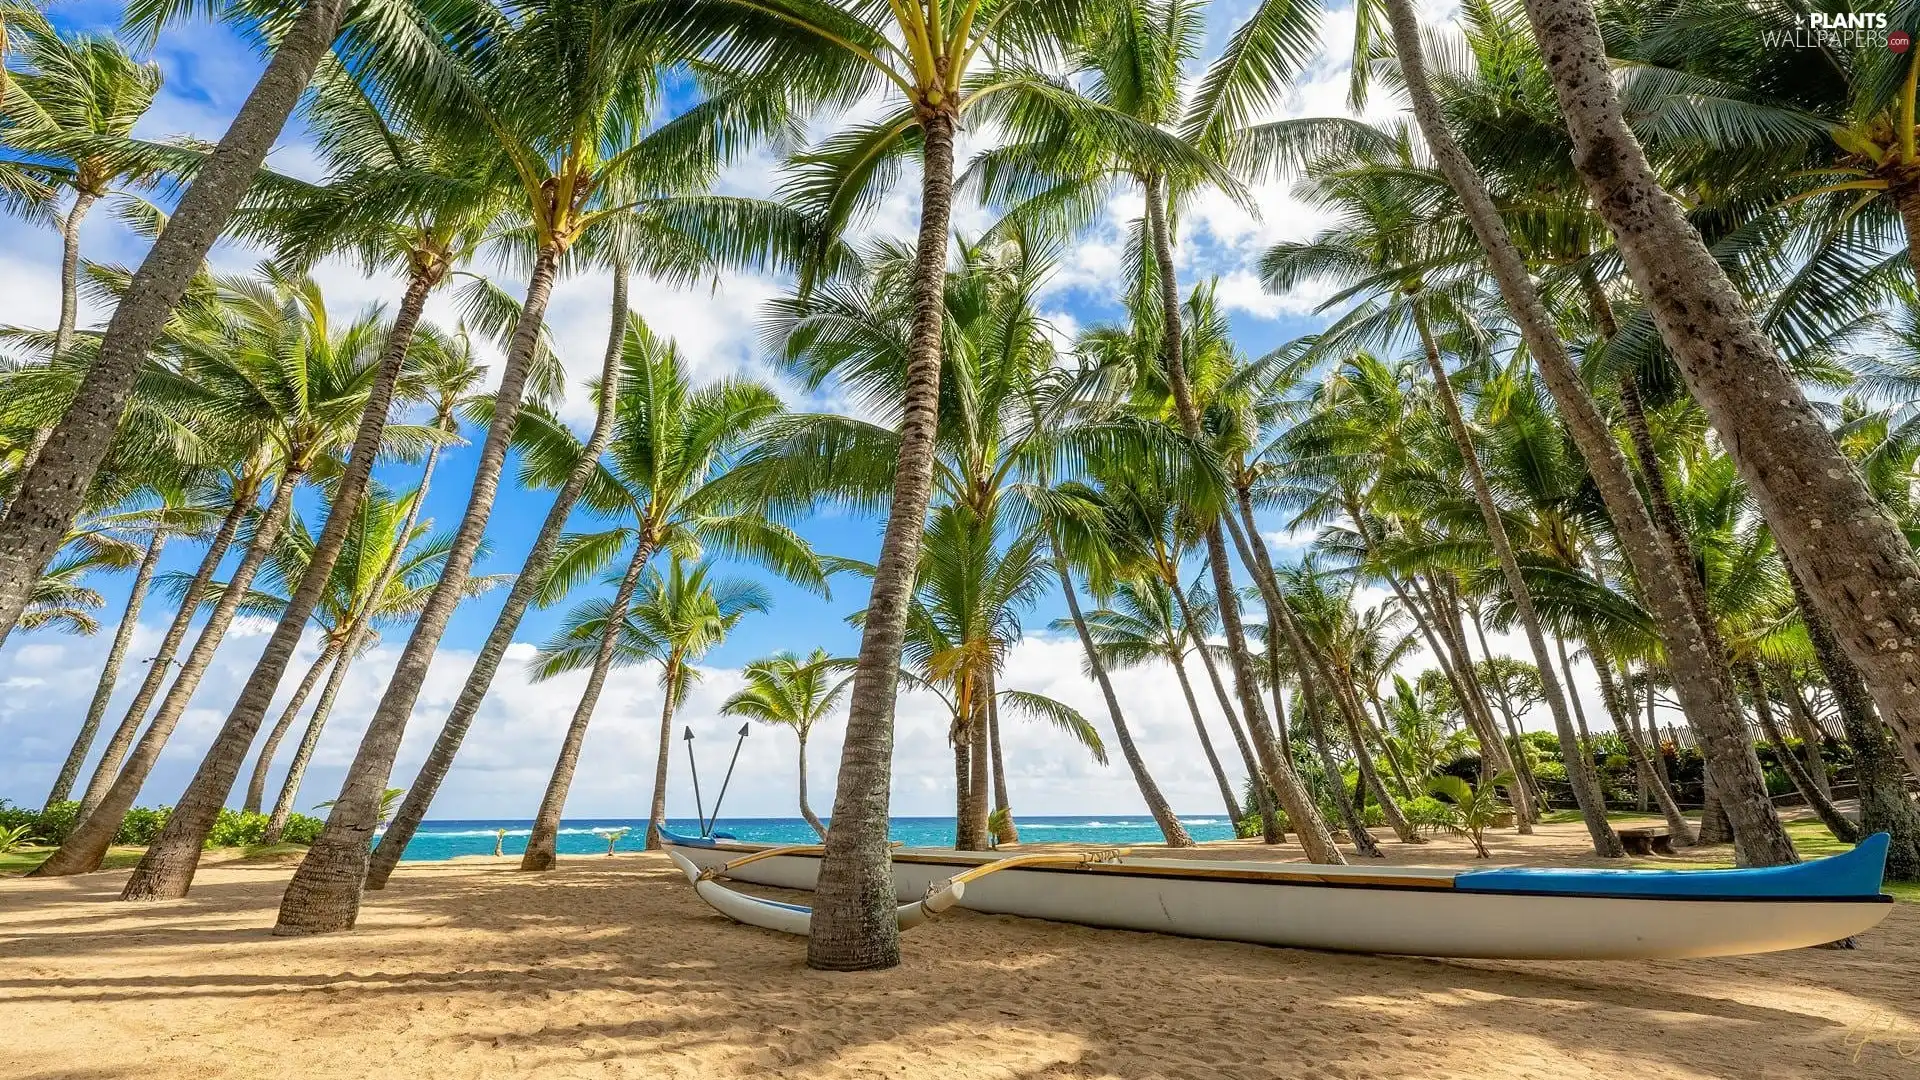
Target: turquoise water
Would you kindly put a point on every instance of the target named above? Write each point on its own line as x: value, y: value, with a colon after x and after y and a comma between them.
x: 447, y: 839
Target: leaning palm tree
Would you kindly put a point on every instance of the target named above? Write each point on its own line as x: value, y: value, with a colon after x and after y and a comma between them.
x: 73, y: 452
x: 676, y: 618
x: 159, y: 512
x: 441, y: 373
x: 788, y: 691
x: 592, y: 174
x: 671, y: 446
x: 267, y: 366
x: 1145, y: 624
x: 937, y: 64
x: 1862, y: 575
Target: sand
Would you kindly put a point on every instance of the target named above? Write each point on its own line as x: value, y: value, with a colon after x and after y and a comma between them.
x: 610, y: 967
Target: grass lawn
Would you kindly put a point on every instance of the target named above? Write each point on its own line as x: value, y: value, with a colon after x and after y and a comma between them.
x: 19, y: 862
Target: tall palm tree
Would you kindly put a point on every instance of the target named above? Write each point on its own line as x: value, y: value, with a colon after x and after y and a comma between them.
x: 439, y: 371
x: 56, y: 489
x: 1145, y: 624
x: 580, y: 464
x: 68, y: 109
x: 676, y: 618
x: 937, y: 63
x: 581, y: 167
x: 789, y: 691
x: 267, y: 366
x: 1857, y: 565
x: 668, y: 457
x: 170, y: 514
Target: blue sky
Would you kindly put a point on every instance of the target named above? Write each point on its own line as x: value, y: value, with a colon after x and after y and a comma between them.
x: 208, y: 70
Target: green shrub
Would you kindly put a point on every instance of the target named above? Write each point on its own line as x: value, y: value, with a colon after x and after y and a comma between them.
x: 142, y: 825
x: 15, y: 817
x: 237, y: 828
x: 304, y: 830
x: 53, y: 824
x: 1426, y: 812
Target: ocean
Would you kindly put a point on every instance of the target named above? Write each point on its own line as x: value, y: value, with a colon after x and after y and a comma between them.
x: 438, y: 840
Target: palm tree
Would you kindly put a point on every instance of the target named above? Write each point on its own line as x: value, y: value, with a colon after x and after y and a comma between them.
x: 785, y: 690
x: 675, y: 618
x: 171, y: 513
x: 74, y: 99
x: 383, y: 578
x: 56, y: 489
x: 579, y: 168
x: 443, y: 374
x: 580, y: 464
x: 938, y: 62
x: 267, y: 368
x: 1144, y: 625
x: 1855, y: 563
x: 668, y: 456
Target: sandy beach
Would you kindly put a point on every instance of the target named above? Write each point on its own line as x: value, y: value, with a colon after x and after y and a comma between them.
x: 611, y: 967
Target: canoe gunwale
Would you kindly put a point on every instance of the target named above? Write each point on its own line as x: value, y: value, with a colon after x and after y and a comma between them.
x: 1307, y: 879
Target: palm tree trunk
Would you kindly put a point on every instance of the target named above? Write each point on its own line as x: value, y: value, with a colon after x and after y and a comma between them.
x: 657, y: 814
x: 52, y: 493
x: 1369, y: 774
x: 1206, y: 743
x: 357, y: 633
x: 1573, y: 692
x: 1715, y: 827
x: 1655, y: 745
x: 309, y: 739
x: 546, y: 824
x: 1837, y: 823
x: 962, y: 779
x: 325, y: 891
x: 426, y: 783
x: 1302, y: 814
x: 69, y: 275
x: 1884, y: 804
x: 1586, y: 790
x: 1008, y: 831
x: 1307, y: 664
x: 1700, y: 678
x: 1473, y: 703
x: 87, y: 845
x: 1808, y: 733
x: 1174, y: 833
x: 1270, y: 830
x: 806, y: 811
x: 854, y: 926
x: 166, y: 870
x: 257, y: 783
x: 1525, y: 797
x: 972, y: 830
x: 1378, y: 732
x: 109, y: 674
x: 1620, y: 711
x: 1853, y: 558
x: 161, y: 662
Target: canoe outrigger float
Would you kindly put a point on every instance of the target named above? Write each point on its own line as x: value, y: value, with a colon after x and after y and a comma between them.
x: 1512, y: 914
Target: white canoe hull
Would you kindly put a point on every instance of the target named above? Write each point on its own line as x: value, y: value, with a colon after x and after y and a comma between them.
x: 1407, y: 911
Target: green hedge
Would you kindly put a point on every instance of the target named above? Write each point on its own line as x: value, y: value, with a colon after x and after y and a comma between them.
x: 143, y: 824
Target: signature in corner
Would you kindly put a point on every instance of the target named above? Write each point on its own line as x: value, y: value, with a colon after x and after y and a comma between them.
x: 1884, y: 1031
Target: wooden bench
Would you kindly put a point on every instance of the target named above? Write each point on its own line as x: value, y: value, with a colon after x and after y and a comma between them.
x: 1646, y: 840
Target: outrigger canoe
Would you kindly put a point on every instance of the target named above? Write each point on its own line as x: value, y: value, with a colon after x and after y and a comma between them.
x: 1513, y: 914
